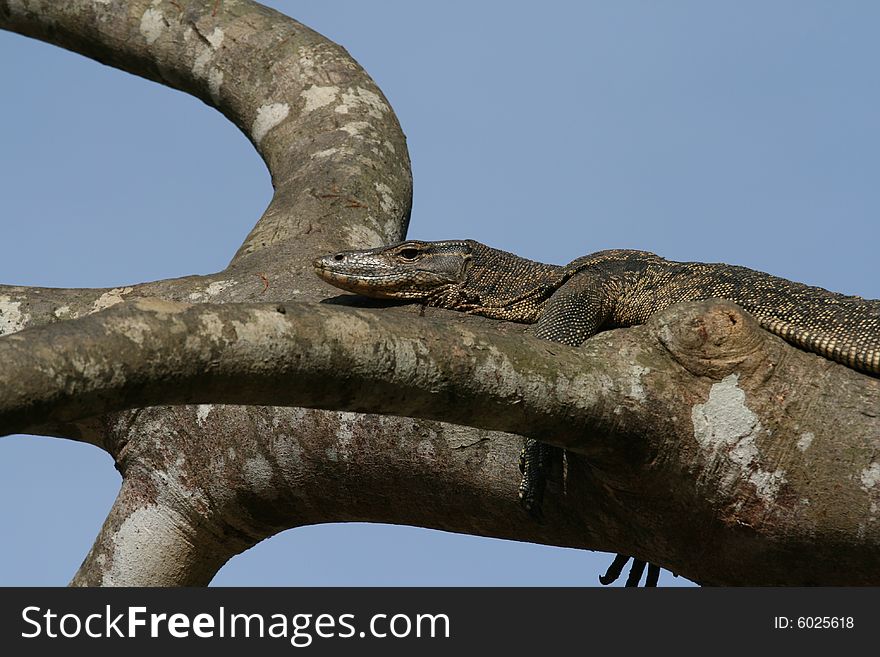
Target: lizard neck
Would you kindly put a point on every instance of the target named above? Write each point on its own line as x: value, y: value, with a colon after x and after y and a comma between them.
x: 501, y: 285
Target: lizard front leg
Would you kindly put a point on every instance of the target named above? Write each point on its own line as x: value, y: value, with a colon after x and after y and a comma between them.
x: 574, y: 313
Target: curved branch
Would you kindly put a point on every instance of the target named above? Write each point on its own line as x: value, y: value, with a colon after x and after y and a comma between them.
x: 150, y: 351
x: 335, y: 150
x: 267, y: 469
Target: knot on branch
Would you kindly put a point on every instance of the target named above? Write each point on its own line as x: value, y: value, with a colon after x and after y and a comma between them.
x: 711, y: 338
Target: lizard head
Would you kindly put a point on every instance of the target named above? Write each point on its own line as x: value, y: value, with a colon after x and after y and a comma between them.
x: 409, y: 270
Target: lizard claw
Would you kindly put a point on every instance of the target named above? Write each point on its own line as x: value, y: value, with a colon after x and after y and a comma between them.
x: 614, y: 570
x: 535, y: 461
x: 635, y: 572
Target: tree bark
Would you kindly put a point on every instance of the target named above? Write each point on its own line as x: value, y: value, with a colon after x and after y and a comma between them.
x: 698, y: 441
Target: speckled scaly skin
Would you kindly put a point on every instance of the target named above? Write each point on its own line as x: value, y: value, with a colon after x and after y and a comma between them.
x: 607, y: 289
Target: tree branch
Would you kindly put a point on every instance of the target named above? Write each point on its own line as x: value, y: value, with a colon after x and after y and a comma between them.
x: 267, y: 469
x: 335, y: 150
x: 713, y: 448
x: 147, y: 541
x: 699, y: 399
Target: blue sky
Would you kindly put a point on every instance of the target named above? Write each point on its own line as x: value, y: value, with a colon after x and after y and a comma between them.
x: 737, y: 132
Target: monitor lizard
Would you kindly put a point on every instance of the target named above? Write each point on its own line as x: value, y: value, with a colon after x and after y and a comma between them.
x: 607, y: 289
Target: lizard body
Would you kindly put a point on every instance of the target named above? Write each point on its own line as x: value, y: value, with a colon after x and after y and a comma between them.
x: 607, y: 289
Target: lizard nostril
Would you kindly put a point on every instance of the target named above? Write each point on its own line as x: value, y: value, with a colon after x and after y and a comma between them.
x: 339, y: 257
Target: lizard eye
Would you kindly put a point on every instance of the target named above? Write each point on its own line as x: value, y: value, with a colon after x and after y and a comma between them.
x: 409, y: 253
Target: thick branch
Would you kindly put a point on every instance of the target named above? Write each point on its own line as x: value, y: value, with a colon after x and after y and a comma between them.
x: 266, y: 469
x: 630, y: 400
x: 150, y: 352
x: 27, y: 307
x: 147, y: 541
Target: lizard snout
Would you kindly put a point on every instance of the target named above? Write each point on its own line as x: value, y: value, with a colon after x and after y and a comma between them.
x: 328, y: 261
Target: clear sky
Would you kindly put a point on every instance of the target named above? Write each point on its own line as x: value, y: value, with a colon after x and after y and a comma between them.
x: 738, y: 132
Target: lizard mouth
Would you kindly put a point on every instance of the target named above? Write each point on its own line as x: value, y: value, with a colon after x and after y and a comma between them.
x: 360, y: 283
x: 373, y: 275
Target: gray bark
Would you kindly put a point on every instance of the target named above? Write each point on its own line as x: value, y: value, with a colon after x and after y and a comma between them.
x: 697, y: 442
